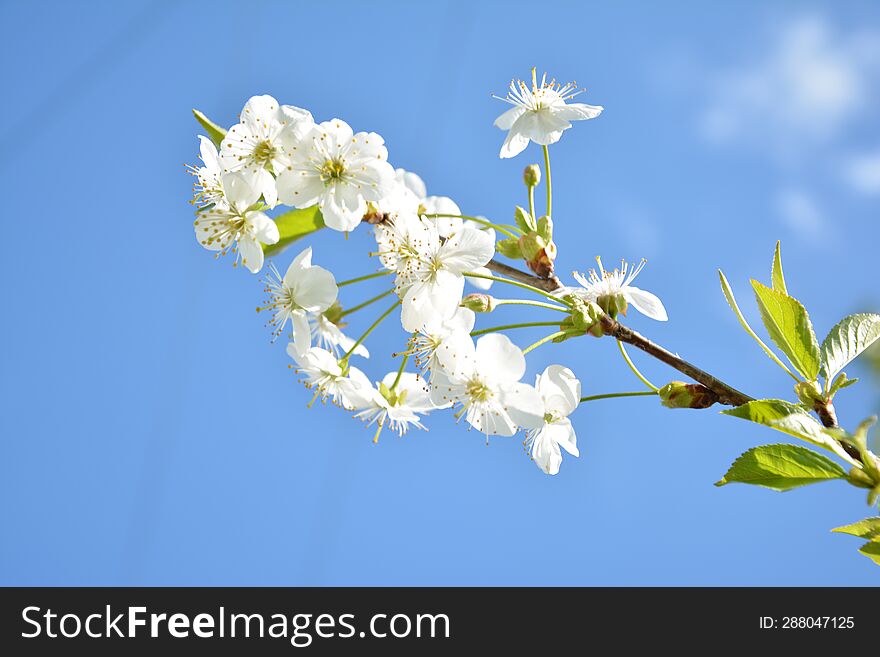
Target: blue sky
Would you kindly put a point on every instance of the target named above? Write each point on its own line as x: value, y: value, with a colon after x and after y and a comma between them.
x: 153, y: 435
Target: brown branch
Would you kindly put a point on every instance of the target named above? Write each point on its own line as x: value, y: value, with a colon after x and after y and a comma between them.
x: 547, y: 284
x: 726, y: 394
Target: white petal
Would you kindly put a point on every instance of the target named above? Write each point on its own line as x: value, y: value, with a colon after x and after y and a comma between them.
x: 455, y: 354
x: 416, y: 308
x: 498, y: 358
x: 411, y: 182
x: 514, y: 144
x: 238, y: 192
x: 466, y: 250
x: 506, y: 120
x: 545, y: 453
x: 463, y: 320
x: 298, y: 188
x: 339, y: 217
x: 302, y: 261
x: 208, y: 152
x: 560, y: 390
x: 446, y: 292
x: 481, y: 283
x: 543, y: 127
x: 579, y: 111
x: 302, y: 333
x: 294, y: 114
x: 265, y: 230
x: 562, y: 433
x: 356, y: 390
x: 524, y: 405
x: 251, y: 254
x: 316, y: 289
x: 646, y: 303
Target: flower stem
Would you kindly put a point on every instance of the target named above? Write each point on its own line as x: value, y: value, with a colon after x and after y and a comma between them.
x: 532, y: 201
x: 400, y: 371
x: 524, y: 286
x: 525, y: 302
x: 504, y: 327
x: 369, y: 330
x: 635, y: 369
x: 365, y: 303
x: 549, y: 184
x: 363, y: 278
x: 483, y: 222
x: 545, y: 339
x: 611, y: 395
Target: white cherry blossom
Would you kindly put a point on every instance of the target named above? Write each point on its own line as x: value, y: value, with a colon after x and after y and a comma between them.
x: 208, y: 188
x: 602, y: 285
x: 236, y: 225
x: 336, y: 169
x: 324, y: 375
x: 540, y: 113
x: 254, y: 147
x: 485, y: 384
x: 437, y: 344
x: 560, y: 392
x: 400, y: 406
x: 304, y: 288
x: 430, y: 278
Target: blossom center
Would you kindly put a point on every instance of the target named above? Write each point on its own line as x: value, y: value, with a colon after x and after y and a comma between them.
x: 332, y: 171
x: 478, y: 391
x: 264, y: 152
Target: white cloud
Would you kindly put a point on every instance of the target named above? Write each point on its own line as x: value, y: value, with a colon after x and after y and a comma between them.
x: 800, y: 212
x: 862, y: 172
x: 805, y: 90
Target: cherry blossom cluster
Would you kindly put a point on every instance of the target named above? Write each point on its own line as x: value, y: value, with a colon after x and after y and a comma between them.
x: 279, y: 155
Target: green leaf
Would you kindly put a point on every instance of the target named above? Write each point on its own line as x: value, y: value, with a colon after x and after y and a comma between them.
x: 294, y: 225
x: 840, y: 383
x: 790, y: 328
x: 776, y: 276
x: 731, y: 301
x: 872, y: 551
x: 789, y: 419
x: 215, y: 132
x: 781, y: 467
x: 850, y: 337
x: 869, y: 529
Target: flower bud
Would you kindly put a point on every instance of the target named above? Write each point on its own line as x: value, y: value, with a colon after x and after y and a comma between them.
x: 586, y: 316
x: 509, y: 248
x: 479, y: 303
x: 545, y: 228
x: 809, y: 393
x: 678, y: 394
x: 532, y: 175
x: 524, y: 220
x: 531, y: 244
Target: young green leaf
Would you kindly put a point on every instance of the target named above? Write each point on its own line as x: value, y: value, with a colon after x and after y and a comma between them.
x: 790, y: 328
x: 776, y: 275
x: 869, y: 529
x: 215, y: 132
x: 731, y: 301
x: 840, y: 383
x: 789, y: 419
x: 294, y: 225
x: 850, y: 337
x: 781, y: 467
x: 872, y: 551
